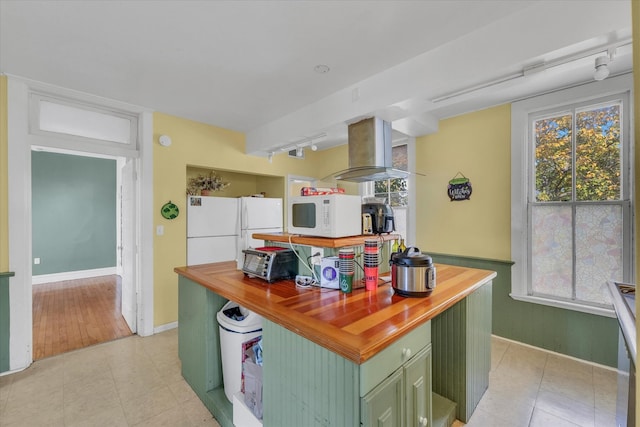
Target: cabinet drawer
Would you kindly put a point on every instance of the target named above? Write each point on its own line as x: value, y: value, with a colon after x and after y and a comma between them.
x: 380, y: 366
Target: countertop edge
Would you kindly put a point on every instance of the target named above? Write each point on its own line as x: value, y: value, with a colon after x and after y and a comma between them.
x: 625, y: 320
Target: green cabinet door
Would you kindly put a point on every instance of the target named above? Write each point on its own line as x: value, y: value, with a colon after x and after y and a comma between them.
x: 384, y: 405
x: 417, y: 386
x: 403, y: 398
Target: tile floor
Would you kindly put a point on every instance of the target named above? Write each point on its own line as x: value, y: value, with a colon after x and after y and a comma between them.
x: 531, y: 387
x: 132, y: 381
x: 136, y: 382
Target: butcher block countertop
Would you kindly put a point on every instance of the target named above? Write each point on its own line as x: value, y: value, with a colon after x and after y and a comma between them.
x: 357, y: 325
x: 323, y: 242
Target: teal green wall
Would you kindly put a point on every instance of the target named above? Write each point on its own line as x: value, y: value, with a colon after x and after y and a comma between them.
x: 585, y: 336
x: 74, y: 212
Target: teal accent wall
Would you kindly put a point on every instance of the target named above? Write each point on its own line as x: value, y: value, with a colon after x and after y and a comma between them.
x: 573, y: 333
x: 4, y: 321
x: 74, y: 212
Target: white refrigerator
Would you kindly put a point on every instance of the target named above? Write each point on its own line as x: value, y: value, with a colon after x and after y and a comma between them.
x: 258, y: 215
x: 219, y: 228
x: 213, y: 227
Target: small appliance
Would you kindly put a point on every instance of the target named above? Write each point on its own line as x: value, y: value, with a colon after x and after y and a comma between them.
x: 270, y: 263
x: 331, y: 215
x: 367, y: 224
x: 412, y: 273
x: 381, y: 217
x: 329, y: 270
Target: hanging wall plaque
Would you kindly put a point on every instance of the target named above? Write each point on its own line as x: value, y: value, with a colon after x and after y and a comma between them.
x: 459, y: 188
x: 169, y: 210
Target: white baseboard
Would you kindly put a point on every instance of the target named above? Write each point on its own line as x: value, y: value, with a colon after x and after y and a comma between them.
x: 588, y: 362
x: 165, y: 327
x: 73, y: 275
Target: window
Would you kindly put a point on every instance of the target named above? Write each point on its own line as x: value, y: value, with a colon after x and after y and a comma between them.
x: 575, y: 212
x: 395, y: 191
x: 86, y: 124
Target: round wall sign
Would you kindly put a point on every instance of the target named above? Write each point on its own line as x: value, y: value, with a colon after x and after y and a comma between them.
x: 169, y: 210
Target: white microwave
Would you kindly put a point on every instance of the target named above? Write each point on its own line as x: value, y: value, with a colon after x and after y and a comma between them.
x: 332, y: 215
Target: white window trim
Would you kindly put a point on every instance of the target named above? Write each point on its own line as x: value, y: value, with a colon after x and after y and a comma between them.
x: 520, y: 178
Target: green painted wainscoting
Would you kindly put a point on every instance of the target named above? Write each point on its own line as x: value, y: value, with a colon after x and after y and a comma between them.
x: 581, y: 335
x: 199, y: 347
x: 4, y: 320
x: 461, y: 338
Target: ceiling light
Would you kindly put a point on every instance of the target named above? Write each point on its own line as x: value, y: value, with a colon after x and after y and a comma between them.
x: 321, y: 69
x: 602, y: 68
x: 299, y: 152
x: 314, y: 147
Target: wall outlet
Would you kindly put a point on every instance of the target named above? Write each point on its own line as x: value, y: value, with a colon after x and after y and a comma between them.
x: 36, y: 261
x: 316, y: 259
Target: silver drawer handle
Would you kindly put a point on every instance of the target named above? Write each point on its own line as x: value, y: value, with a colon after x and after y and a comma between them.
x: 423, y: 421
x: 406, y: 352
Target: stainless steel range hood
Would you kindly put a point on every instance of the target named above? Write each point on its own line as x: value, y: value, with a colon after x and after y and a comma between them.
x: 370, y: 155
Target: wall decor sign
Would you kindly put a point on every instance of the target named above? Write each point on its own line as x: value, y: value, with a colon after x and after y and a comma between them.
x: 169, y: 210
x: 459, y: 188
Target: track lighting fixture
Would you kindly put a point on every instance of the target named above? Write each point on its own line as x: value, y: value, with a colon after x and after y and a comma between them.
x: 299, y: 152
x: 270, y: 157
x: 602, y: 68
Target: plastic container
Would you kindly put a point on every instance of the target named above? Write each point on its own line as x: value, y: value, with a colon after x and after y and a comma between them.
x: 238, y: 327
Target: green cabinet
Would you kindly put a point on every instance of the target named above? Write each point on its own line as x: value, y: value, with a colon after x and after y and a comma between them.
x: 402, y: 399
x: 417, y: 386
x: 384, y: 405
x: 462, y: 351
x: 305, y: 384
x: 199, y: 347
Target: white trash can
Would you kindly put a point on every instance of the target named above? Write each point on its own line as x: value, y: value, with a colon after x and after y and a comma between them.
x: 238, y: 328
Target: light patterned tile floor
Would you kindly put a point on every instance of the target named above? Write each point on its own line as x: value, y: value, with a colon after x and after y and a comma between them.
x: 132, y: 381
x: 136, y: 381
x: 534, y: 388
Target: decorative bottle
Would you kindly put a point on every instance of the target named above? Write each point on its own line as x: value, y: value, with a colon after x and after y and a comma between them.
x: 401, y: 246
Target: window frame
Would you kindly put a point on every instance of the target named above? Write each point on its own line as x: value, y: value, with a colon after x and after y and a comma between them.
x: 367, y: 189
x: 522, y: 174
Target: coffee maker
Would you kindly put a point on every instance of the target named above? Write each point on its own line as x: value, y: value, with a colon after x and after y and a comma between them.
x: 381, y: 217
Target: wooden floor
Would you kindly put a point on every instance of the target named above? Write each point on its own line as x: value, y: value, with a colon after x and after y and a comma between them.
x: 73, y: 314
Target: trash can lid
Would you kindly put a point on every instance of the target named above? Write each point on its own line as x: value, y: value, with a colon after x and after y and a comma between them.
x: 238, y: 319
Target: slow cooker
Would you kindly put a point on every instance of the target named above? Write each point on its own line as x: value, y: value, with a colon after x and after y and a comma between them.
x: 412, y: 273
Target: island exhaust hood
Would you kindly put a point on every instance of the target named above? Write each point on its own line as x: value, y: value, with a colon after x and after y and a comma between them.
x: 370, y: 154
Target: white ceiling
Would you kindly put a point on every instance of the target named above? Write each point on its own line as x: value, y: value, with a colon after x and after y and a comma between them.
x: 249, y: 65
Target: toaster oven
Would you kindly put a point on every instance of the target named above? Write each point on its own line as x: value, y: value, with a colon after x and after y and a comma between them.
x: 270, y: 263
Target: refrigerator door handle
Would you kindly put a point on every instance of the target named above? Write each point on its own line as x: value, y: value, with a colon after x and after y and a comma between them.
x: 244, y: 214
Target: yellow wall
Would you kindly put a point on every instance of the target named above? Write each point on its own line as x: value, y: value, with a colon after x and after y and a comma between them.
x: 4, y: 214
x: 479, y: 146
x: 197, y: 145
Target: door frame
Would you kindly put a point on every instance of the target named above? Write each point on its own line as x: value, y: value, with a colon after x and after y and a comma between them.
x: 20, y: 142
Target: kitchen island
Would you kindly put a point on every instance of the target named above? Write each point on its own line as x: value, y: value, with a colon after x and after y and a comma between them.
x: 343, y: 359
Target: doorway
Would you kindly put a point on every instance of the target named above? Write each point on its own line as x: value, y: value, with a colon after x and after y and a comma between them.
x: 82, y: 211
x: 23, y: 133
